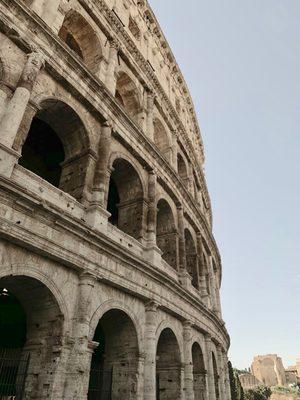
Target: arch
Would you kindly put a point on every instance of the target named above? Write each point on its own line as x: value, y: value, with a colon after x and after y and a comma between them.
x: 199, y: 372
x: 38, y: 314
x: 161, y: 137
x: 182, y: 168
x: 77, y: 33
x: 127, y: 95
x: 216, y: 375
x: 168, y: 366
x: 166, y: 233
x: 56, y: 147
x: 126, y: 199
x: 191, y: 258
x: 114, y: 367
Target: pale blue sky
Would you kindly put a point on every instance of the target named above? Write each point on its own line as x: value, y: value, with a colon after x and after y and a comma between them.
x: 241, y: 60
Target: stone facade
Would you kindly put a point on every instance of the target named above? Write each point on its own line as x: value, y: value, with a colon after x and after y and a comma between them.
x: 269, y: 370
x: 107, y: 253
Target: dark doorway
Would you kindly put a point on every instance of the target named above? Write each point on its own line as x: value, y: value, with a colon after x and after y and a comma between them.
x: 43, y: 152
x: 113, y: 202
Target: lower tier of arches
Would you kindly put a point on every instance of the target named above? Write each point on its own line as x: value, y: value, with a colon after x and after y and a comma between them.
x: 66, y: 335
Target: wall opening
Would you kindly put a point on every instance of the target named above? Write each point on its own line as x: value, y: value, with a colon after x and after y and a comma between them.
x: 80, y: 37
x: 125, y: 199
x: 161, y: 138
x: 182, y: 169
x: 29, y: 314
x: 199, y: 372
x: 114, y: 366
x: 166, y: 233
x: 56, y: 148
x: 127, y: 96
x: 168, y: 367
x: 191, y: 258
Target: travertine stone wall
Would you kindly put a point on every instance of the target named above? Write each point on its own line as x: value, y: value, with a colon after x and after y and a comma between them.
x: 269, y: 370
x: 105, y: 218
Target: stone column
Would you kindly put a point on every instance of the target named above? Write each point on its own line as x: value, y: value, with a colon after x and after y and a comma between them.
x: 201, y: 269
x: 150, y: 118
x: 184, y: 277
x: 97, y: 215
x: 4, y: 92
x: 212, y: 280
x: 152, y: 211
x: 188, y: 361
x: 150, y: 351
x: 111, y: 67
x: 174, y: 149
x: 15, y: 109
x: 210, y: 371
x: 218, y: 300
x: 80, y: 359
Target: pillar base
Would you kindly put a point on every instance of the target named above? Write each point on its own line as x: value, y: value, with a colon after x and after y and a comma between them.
x: 185, y: 279
x: 153, y: 255
x: 97, y: 218
x: 8, y: 159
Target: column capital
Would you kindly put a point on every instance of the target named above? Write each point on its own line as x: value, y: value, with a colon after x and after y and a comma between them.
x: 87, y: 278
x: 35, y: 61
x: 187, y: 324
x: 114, y: 44
x: 152, y: 305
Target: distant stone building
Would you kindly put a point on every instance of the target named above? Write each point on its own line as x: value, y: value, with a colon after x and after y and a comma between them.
x: 291, y: 375
x: 269, y: 370
x: 249, y: 381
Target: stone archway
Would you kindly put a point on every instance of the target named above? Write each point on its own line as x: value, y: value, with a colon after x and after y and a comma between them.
x: 161, y: 138
x: 114, y: 368
x: 33, y: 324
x: 56, y: 148
x: 168, y: 367
x: 127, y: 95
x: 77, y: 33
x: 182, y: 169
x: 126, y: 199
x: 166, y: 233
x: 199, y: 372
x: 191, y: 258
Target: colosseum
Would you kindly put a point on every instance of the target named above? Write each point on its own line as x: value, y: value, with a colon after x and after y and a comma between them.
x: 110, y: 273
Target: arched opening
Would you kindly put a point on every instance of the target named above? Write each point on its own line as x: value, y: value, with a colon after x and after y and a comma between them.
x: 82, y: 39
x: 114, y: 366
x: 56, y: 148
x: 168, y: 367
x: 166, y: 233
x: 125, y: 199
x: 161, y: 138
x: 191, y: 258
x: 127, y: 95
x: 182, y: 169
x: 216, y: 376
x: 199, y: 372
x: 31, y: 323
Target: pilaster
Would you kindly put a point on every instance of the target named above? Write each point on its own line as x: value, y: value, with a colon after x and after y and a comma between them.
x: 210, y: 371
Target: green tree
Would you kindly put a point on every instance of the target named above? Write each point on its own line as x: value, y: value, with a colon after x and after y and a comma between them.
x: 237, y: 392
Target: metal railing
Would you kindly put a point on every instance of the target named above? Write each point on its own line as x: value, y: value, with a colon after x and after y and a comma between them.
x: 13, y: 371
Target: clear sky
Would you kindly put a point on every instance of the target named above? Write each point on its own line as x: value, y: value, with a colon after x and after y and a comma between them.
x: 241, y: 60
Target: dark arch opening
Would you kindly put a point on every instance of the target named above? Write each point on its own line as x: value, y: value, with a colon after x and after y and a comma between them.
x: 43, y: 152
x: 166, y: 234
x: 168, y: 367
x: 125, y: 199
x: 216, y: 376
x: 191, y: 258
x: 114, y: 366
x: 29, y: 314
x: 161, y: 138
x: 199, y: 372
x: 56, y: 148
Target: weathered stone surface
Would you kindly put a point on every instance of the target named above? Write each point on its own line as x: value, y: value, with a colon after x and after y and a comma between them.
x: 105, y: 219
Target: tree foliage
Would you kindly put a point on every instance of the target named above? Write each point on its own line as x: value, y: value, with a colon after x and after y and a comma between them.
x: 237, y: 392
x: 258, y: 393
